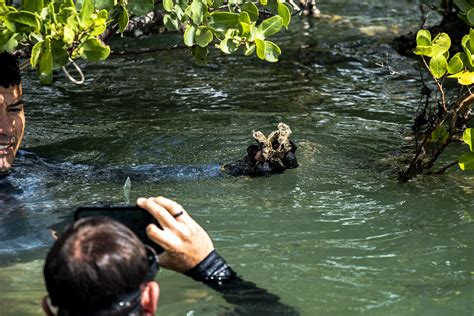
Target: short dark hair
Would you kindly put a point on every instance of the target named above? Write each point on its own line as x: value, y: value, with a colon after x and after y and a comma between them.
x: 93, y: 263
x: 9, y: 70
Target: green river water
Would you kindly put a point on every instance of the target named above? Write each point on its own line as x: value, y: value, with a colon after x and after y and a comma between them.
x: 337, y: 236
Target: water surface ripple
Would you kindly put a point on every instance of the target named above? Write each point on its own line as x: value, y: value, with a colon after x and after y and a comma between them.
x: 337, y: 236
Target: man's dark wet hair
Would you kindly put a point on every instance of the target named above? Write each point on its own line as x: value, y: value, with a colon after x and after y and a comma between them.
x: 94, y: 264
x: 9, y: 70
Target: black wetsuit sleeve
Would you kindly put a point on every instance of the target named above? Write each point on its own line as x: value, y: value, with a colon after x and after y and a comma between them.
x: 247, y: 298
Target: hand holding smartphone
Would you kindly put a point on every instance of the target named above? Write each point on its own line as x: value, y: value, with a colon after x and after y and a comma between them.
x: 132, y: 216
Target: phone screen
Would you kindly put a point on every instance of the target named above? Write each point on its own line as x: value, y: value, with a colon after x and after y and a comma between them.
x: 132, y: 216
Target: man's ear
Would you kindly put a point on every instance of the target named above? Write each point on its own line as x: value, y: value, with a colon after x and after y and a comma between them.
x: 149, y: 299
x: 45, y: 306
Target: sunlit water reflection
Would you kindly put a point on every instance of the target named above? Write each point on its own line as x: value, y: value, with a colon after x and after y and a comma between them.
x: 337, y: 236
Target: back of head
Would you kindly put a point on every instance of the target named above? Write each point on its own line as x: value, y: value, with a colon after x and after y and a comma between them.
x: 9, y: 70
x: 94, y: 262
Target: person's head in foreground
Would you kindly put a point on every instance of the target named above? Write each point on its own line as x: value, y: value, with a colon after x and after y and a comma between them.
x: 99, y: 267
x: 12, y: 117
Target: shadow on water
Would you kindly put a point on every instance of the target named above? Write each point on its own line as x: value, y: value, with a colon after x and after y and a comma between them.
x: 336, y: 236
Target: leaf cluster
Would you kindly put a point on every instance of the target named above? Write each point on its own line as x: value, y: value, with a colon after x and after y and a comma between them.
x: 232, y: 26
x: 466, y: 11
x: 59, y: 31
x: 436, y: 57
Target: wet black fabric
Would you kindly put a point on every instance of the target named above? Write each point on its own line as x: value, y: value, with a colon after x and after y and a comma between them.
x: 246, y: 296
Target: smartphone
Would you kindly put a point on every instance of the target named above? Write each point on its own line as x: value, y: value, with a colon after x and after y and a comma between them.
x: 132, y: 216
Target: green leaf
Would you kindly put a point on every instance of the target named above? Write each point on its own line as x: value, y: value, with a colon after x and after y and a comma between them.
x: 464, y: 59
x: 123, y: 20
x: 140, y: 7
x: 22, y: 22
x: 467, y: 137
x: 471, y: 40
x: 255, y: 33
x: 466, y: 78
x: 463, y: 5
x: 100, y: 23
x: 464, y: 41
x: 5, y: 36
x: 466, y: 161
x: 179, y: 13
x: 466, y: 45
x: 440, y: 45
x: 446, y: 55
x: 440, y: 135
x: 244, y: 17
x: 183, y: 4
x: 203, y: 36
x: 215, y: 4
x: 11, y: 44
x: 289, y: 7
x: 171, y: 21
x: 85, y: 16
x: 228, y: 45
x: 423, y: 38
x: 69, y: 34
x: 272, y: 51
x: 245, y: 23
x: 95, y: 50
x: 62, y: 17
x: 438, y: 66
x: 263, y: 2
x: 260, y: 48
x: 189, y: 35
x: 104, y: 4
x: 198, y: 11
x: 45, y: 64
x: 285, y: 14
x: 222, y: 21
x: 422, y: 50
x: 251, y: 9
x: 34, y: 6
x: 200, y: 54
x: 168, y: 5
x: 35, y: 54
x: 455, y: 65
x: 470, y: 16
x: 271, y: 26
x: 59, y: 53
x: 35, y: 38
x: 249, y: 49
x: 272, y: 6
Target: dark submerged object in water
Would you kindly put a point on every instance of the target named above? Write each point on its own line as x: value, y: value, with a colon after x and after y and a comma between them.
x: 272, y: 154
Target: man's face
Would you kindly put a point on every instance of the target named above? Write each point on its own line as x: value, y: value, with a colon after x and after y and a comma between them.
x: 12, y: 124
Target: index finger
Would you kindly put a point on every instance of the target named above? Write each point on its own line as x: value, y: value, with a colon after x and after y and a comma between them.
x: 162, y: 215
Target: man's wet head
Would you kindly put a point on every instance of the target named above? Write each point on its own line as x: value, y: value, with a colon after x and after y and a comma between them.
x: 12, y: 116
x: 99, y: 267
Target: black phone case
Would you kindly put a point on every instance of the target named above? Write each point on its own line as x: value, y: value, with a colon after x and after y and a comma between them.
x: 126, y: 215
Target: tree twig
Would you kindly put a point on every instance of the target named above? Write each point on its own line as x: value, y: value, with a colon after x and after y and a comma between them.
x: 443, y: 170
x: 440, y: 88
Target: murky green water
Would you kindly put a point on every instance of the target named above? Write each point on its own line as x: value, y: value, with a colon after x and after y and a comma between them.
x: 337, y: 236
